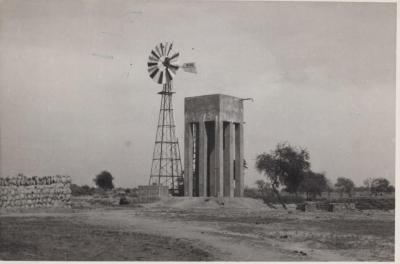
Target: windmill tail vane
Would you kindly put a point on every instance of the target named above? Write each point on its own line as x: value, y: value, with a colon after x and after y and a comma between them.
x: 189, y: 67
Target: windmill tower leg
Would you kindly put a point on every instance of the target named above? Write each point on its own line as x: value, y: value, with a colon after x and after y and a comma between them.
x: 166, y: 167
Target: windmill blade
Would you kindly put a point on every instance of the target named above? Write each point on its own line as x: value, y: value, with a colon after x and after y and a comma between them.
x: 165, y: 45
x: 175, y: 56
x: 160, y: 77
x: 162, y: 49
x: 165, y: 76
x: 189, y: 67
x: 158, y: 51
x: 156, y: 77
x: 166, y: 48
x: 172, y: 70
x: 170, y: 48
x: 151, y: 69
x: 169, y: 74
x: 173, y: 67
x: 153, y: 59
x: 155, y: 55
x: 154, y: 73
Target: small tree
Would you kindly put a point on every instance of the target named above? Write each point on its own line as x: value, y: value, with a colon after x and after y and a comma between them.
x: 344, y: 185
x: 104, y: 180
x: 313, y: 184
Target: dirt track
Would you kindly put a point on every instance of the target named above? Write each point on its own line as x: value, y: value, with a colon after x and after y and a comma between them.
x: 160, y: 233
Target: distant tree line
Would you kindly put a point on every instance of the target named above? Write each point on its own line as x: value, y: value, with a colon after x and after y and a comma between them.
x: 378, y: 185
x: 288, y: 169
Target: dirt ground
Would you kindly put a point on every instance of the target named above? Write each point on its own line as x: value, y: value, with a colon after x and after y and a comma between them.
x: 197, y: 231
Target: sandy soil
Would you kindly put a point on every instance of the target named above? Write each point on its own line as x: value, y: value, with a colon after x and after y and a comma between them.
x: 212, y: 230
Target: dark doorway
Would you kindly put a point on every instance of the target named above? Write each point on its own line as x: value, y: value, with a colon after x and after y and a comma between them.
x: 210, y: 131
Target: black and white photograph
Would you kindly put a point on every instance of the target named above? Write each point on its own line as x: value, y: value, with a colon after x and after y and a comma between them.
x: 150, y: 130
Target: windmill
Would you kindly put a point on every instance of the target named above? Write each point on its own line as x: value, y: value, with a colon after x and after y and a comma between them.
x: 166, y: 166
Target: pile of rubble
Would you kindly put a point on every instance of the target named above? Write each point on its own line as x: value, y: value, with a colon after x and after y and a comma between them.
x: 32, y: 192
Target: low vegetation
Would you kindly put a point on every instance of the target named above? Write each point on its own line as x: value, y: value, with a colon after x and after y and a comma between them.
x: 82, y: 190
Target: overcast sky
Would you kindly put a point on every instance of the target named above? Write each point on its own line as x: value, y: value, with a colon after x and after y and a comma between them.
x: 76, y: 98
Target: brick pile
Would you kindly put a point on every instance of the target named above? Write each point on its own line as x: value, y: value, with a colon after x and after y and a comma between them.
x: 33, y: 192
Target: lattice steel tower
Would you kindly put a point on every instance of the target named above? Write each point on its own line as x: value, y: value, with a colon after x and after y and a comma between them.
x: 166, y: 166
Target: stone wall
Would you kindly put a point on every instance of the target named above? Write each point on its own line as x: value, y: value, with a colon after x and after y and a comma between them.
x: 33, y: 192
